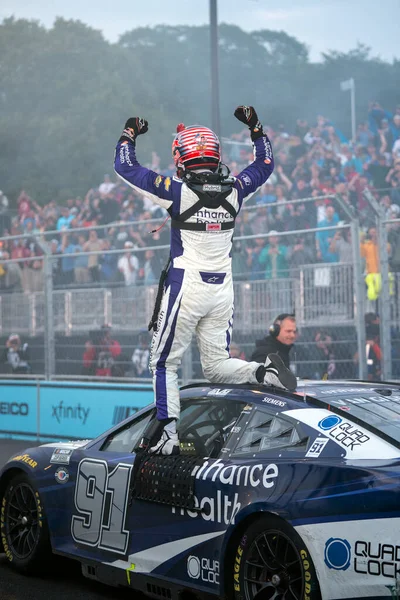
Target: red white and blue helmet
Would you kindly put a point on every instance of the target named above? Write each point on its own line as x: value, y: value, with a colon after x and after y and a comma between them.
x: 196, y: 148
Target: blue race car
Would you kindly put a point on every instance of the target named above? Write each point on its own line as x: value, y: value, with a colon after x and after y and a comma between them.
x: 274, y: 496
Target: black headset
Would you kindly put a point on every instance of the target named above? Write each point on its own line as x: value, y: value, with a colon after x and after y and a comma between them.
x: 275, y: 328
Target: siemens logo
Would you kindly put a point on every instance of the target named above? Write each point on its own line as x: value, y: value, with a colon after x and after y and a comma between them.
x: 14, y: 408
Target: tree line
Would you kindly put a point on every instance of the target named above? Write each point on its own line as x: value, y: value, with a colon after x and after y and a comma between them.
x: 66, y: 92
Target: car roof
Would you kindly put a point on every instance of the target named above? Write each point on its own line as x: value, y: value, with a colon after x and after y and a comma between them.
x: 337, y: 396
x: 309, y: 392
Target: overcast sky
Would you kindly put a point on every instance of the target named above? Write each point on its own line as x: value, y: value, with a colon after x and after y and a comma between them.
x: 321, y: 24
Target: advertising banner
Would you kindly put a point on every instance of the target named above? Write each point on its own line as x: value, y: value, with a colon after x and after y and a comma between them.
x: 18, y: 408
x: 67, y: 410
x: 72, y: 410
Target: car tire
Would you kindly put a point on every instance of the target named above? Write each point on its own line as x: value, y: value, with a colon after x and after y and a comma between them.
x: 272, y: 557
x: 23, y: 527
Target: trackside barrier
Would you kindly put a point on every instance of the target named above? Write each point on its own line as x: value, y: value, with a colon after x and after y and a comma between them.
x: 46, y: 411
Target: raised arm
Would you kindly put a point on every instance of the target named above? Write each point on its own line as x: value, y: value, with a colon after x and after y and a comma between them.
x: 257, y: 173
x: 161, y: 190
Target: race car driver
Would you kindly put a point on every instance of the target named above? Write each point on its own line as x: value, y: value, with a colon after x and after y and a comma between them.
x: 197, y: 294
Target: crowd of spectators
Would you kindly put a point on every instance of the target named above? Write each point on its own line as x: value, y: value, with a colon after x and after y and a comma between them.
x: 312, y: 161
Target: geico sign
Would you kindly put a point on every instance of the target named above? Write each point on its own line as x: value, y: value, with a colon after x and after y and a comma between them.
x: 14, y: 408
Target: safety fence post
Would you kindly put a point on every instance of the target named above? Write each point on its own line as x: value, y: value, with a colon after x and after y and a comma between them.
x: 384, y: 299
x: 37, y: 409
x: 49, y: 342
x: 384, y: 296
x: 359, y: 294
x: 359, y: 287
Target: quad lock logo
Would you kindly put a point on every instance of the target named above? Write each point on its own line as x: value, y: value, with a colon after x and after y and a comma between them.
x: 343, y: 432
x: 367, y: 558
x: 203, y: 568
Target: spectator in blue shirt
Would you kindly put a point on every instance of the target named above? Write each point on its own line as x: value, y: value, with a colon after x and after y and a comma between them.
x: 68, y: 246
x: 109, y: 263
x: 364, y: 137
x: 324, y: 238
x: 256, y: 271
x: 65, y: 219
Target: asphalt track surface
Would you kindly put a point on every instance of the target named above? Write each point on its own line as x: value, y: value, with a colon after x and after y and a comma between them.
x: 65, y: 582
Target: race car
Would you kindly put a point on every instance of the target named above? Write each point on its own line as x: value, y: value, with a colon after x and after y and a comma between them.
x: 275, y: 495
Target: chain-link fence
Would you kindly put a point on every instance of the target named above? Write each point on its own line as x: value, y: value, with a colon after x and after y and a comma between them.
x: 60, y: 297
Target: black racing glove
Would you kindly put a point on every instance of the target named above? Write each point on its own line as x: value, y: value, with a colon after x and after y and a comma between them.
x: 133, y: 127
x: 248, y: 116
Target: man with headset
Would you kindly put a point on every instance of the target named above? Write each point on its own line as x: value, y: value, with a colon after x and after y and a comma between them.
x: 280, y: 339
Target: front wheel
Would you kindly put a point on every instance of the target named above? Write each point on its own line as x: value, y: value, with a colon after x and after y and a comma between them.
x: 24, y: 532
x: 273, y: 563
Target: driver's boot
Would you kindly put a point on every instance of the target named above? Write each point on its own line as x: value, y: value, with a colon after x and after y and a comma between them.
x: 274, y: 372
x: 168, y: 445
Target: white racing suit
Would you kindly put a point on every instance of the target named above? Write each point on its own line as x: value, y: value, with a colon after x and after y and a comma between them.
x: 198, y: 295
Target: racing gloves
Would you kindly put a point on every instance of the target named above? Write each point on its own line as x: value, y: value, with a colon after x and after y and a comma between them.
x: 248, y: 116
x: 133, y: 127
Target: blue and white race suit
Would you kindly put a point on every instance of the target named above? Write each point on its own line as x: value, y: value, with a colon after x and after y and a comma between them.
x: 198, y: 295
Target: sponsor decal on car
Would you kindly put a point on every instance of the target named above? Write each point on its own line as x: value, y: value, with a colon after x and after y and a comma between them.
x: 316, y: 447
x: 222, y: 508
x: 329, y: 422
x: 205, y: 569
x: 237, y: 475
x: 94, y: 484
x: 375, y: 558
x: 343, y: 432
x: 274, y: 401
x: 237, y: 563
x: 218, y: 392
x: 307, y: 574
x: 343, y: 402
x: 61, y: 475
x: 354, y: 439
x: 333, y: 391
x: 6, y: 548
x: 25, y: 458
x: 337, y: 554
x: 61, y: 456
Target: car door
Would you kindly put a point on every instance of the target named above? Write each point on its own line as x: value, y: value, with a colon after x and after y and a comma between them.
x: 109, y: 523
x: 100, y: 514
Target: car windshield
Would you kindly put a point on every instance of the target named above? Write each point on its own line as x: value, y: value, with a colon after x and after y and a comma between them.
x: 378, y: 408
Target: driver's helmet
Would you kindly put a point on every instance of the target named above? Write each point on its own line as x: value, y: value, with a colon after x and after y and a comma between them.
x: 196, y: 148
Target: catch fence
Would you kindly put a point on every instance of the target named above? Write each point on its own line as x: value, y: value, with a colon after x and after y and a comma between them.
x: 61, y: 318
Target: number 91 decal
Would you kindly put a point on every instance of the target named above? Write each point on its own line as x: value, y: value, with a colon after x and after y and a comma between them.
x: 101, y: 499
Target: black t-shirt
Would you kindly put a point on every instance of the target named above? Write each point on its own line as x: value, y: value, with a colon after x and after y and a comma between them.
x: 378, y: 174
x: 269, y: 345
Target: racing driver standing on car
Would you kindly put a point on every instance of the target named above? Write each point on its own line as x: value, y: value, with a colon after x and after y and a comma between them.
x: 196, y: 290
